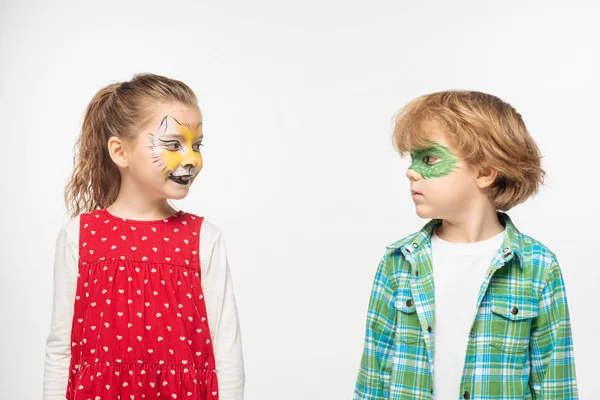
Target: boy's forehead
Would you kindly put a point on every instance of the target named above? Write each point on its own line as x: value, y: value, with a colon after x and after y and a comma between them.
x: 434, y: 132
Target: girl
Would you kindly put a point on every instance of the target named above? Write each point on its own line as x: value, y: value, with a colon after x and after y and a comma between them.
x: 143, y: 301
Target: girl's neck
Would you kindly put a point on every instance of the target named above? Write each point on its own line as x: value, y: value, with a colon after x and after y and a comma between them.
x: 140, y: 208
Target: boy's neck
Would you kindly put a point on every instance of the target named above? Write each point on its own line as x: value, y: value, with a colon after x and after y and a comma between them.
x: 470, y: 227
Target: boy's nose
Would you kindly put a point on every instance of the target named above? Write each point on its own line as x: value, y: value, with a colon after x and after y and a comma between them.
x: 412, y: 175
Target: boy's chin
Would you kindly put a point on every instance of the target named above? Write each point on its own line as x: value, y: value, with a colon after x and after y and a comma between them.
x: 425, y: 212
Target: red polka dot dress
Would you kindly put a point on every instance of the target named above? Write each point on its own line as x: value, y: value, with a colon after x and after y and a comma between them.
x: 140, y: 328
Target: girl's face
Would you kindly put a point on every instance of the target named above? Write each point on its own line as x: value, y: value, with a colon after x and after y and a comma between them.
x: 441, y: 184
x: 166, y: 155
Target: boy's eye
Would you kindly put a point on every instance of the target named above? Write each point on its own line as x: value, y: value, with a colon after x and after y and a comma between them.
x: 429, y: 160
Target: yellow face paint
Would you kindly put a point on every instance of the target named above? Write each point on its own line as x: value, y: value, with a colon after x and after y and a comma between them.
x: 175, y: 148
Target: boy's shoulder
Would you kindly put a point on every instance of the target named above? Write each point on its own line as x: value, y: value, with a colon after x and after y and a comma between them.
x: 405, y: 242
x: 396, y: 254
x: 536, y: 255
x: 413, y: 242
x: 532, y: 253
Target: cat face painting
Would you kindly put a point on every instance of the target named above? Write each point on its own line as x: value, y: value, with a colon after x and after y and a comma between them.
x: 175, y: 149
x: 165, y: 158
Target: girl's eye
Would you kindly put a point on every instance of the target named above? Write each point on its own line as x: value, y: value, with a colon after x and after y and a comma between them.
x: 172, y: 146
x: 196, y: 146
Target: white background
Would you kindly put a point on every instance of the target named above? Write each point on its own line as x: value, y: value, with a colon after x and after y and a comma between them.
x: 300, y: 173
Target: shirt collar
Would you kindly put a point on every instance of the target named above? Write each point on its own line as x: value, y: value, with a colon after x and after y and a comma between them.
x: 512, y: 243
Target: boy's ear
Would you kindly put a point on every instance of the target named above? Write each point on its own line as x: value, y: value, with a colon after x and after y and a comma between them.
x: 118, y: 151
x: 486, y: 177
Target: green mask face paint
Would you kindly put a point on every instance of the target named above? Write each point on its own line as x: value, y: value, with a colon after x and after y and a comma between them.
x: 448, y: 161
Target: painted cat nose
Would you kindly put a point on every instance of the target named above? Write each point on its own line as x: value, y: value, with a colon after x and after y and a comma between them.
x: 190, y: 162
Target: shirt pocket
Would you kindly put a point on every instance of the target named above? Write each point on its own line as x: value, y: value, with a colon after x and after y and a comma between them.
x: 408, y: 327
x: 511, y: 322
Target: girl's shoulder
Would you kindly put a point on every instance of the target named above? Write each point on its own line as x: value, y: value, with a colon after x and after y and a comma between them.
x: 71, y: 229
x: 208, y: 230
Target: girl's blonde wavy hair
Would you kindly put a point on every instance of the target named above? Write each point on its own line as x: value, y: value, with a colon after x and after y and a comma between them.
x: 120, y: 109
x: 486, y: 132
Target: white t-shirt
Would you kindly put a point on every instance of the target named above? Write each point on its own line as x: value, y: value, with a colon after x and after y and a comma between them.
x: 458, y: 272
x: 220, y: 308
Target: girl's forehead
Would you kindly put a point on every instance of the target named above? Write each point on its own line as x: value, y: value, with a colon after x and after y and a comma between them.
x: 184, y: 115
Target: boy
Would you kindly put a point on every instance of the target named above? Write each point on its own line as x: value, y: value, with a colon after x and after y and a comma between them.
x: 468, y: 290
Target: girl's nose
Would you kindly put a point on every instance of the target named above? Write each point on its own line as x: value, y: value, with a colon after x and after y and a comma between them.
x: 190, y: 161
x: 412, y: 175
x: 193, y: 163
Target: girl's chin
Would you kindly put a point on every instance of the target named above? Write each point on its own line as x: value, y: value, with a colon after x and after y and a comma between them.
x: 177, y: 196
x: 176, y: 191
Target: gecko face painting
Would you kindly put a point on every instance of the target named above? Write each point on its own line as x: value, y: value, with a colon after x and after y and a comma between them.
x: 424, y: 161
x: 175, y: 149
x: 441, y: 183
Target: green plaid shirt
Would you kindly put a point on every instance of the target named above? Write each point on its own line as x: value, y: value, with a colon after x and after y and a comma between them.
x: 519, y: 345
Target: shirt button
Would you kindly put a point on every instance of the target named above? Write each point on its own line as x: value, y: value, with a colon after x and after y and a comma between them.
x: 409, y: 303
x: 417, y: 273
x: 514, y: 311
x: 429, y: 329
x: 415, y: 245
x: 466, y: 395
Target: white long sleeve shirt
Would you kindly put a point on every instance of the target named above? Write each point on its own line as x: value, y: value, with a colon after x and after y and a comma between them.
x: 219, y: 299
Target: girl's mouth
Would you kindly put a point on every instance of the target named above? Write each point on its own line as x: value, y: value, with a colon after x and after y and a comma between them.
x: 181, y: 179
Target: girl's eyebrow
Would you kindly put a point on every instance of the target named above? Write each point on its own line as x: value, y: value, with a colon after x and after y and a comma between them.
x: 169, y: 137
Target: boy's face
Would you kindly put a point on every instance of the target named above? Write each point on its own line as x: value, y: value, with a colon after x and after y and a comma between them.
x: 441, y: 184
x: 166, y: 157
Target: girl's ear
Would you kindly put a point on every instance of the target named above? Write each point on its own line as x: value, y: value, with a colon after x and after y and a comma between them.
x: 486, y: 177
x: 118, y: 151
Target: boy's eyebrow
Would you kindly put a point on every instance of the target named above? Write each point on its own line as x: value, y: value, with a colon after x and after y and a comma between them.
x: 423, y: 150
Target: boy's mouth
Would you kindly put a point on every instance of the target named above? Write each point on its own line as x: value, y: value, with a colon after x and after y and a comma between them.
x: 181, y: 179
